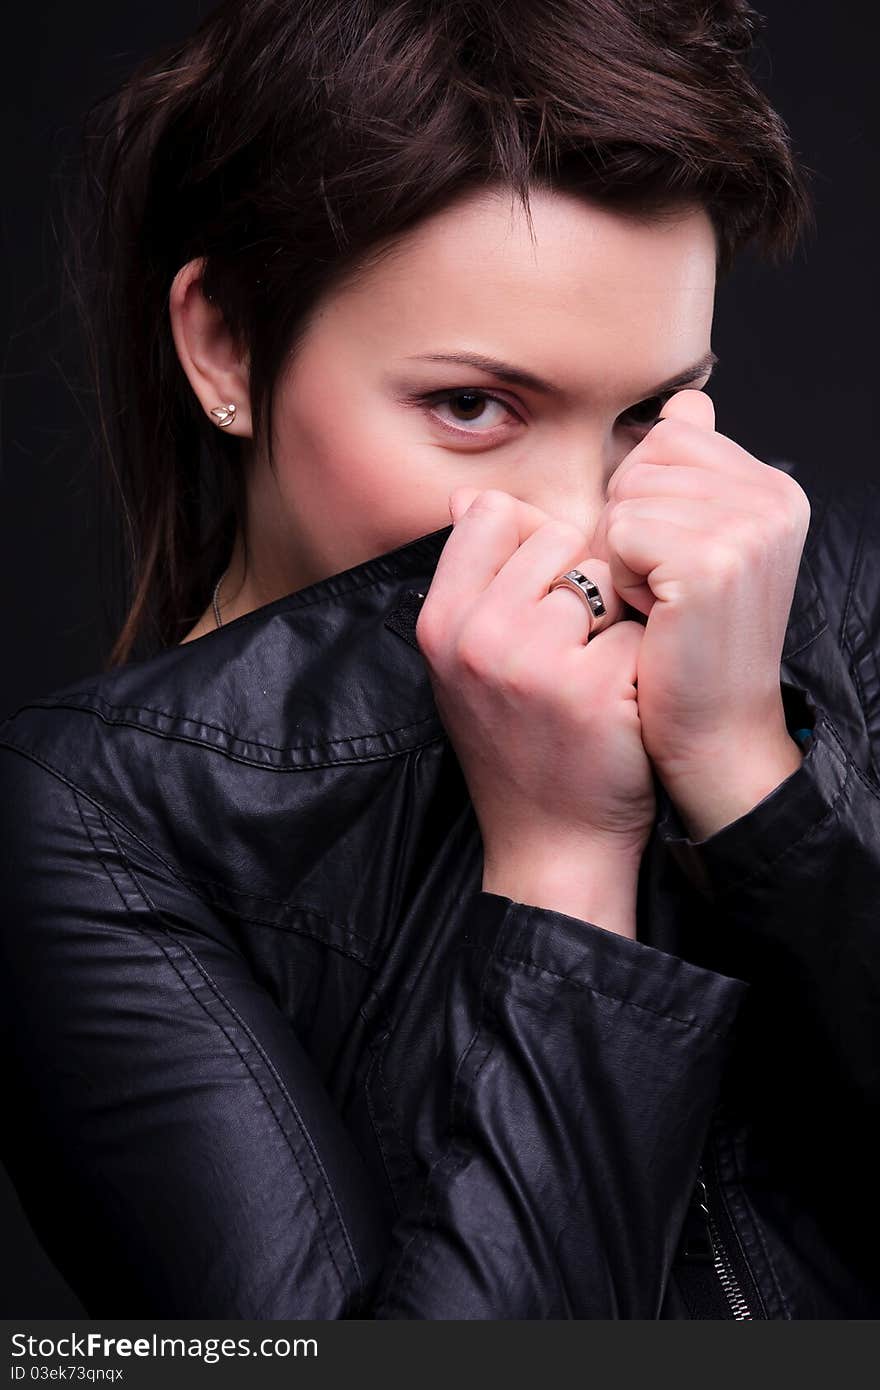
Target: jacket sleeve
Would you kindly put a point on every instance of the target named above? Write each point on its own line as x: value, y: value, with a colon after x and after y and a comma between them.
x: 790, y: 892
x: 790, y: 899
x: 177, y: 1155
x: 787, y: 898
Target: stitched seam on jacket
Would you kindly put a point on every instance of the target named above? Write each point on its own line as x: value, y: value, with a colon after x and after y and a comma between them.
x: 738, y: 1195
x: 873, y: 787
x: 602, y: 994
x: 247, y: 619
x: 743, y: 1198
x: 376, y: 1063
x: 378, y: 1048
x: 190, y: 884
x: 391, y: 1108
x: 247, y: 1031
x: 807, y: 642
x: 851, y: 766
x: 846, y: 623
x: 854, y: 666
x: 854, y: 671
x: 459, y: 1104
x: 418, y: 1238
x: 270, y: 1067
x: 62, y: 703
x: 844, y: 638
x: 850, y: 588
x: 371, y: 1111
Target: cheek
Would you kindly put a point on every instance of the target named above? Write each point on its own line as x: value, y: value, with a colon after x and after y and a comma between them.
x: 348, y: 455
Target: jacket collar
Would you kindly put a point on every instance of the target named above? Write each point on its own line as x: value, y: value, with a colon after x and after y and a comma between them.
x: 316, y: 678
x: 807, y: 618
x: 329, y: 674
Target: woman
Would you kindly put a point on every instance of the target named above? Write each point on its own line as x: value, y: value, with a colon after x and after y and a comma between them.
x: 470, y: 921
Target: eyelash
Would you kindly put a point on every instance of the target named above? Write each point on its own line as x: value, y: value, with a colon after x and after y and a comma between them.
x: 433, y: 398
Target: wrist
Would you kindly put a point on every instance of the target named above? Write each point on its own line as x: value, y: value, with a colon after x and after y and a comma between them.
x: 711, y: 797
x: 592, y: 882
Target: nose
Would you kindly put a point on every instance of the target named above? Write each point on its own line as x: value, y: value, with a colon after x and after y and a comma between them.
x: 572, y: 481
x: 579, y: 501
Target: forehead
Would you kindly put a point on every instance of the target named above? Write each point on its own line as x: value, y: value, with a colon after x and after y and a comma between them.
x: 591, y: 280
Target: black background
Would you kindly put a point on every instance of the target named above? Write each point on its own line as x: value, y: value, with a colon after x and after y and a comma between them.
x: 796, y: 380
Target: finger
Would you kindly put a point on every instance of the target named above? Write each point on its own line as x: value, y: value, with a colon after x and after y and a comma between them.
x: 526, y: 577
x: 629, y: 583
x: 612, y: 658
x: 714, y: 516
x: 693, y: 406
x: 460, y: 498
x: 675, y: 480
x: 567, y: 615
x: 492, y: 529
x: 677, y: 441
x: 680, y: 554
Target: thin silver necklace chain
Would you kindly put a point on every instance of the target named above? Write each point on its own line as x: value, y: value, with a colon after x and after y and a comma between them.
x: 217, y: 618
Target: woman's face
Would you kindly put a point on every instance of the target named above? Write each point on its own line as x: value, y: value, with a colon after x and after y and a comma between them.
x: 373, y: 430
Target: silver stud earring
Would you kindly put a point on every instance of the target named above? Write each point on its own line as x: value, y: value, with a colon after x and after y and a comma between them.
x: 224, y: 414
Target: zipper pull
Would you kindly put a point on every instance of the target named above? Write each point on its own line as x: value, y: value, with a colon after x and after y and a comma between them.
x: 696, y: 1243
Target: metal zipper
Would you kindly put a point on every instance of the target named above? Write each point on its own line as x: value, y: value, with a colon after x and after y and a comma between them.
x: 720, y: 1259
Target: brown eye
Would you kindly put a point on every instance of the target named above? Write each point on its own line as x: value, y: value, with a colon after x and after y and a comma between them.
x: 646, y: 412
x: 467, y: 404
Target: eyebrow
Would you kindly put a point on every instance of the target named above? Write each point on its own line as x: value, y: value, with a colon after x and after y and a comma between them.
x: 518, y: 376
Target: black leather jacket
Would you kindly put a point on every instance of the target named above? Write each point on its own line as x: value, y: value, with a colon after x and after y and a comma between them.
x: 270, y: 1051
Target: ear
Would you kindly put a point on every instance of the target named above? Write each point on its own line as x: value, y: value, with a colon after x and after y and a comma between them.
x: 208, y: 354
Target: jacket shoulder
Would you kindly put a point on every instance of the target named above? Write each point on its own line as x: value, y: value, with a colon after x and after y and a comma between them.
x: 293, y: 685
x: 202, y: 752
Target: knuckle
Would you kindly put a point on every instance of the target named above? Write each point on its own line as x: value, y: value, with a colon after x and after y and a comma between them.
x: 630, y: 479
x: 726, y: 559
x: 492, y: 499
x: 509, y: 670
x: 473, y: 653
x: 425, y: 622
x: 799, y: 508
x: 616, y: 516
x: 428, y: 631
x: 519, y: 676
x: 424, y: 636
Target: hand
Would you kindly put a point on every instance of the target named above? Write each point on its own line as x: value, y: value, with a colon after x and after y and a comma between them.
x: 544, y: 722
x: 706, y: 541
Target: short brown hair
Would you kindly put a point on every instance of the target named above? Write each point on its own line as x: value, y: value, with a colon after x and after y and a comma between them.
x: 286, y: 140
